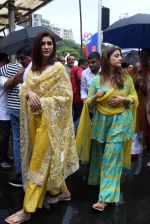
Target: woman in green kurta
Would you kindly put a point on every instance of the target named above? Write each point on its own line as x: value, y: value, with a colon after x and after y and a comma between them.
x: 114, y: 99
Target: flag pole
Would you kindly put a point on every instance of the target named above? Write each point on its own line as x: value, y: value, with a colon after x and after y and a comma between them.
x: 80, y: 11
x: 99, y: 25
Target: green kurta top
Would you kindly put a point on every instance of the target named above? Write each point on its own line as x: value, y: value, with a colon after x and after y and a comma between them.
x: 115, y: 128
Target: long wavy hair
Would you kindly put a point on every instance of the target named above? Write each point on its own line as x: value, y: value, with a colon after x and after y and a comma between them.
x: 106, y: 68
x: 37, y: 57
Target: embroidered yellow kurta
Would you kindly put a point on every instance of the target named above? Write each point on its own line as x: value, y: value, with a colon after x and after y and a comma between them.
x: 60, y: 159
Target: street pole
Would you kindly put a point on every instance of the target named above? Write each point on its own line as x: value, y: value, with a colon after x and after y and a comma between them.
x: 99, y: 25
x: 11, y: 13
x: 11, y: 19
x: 80, y: 11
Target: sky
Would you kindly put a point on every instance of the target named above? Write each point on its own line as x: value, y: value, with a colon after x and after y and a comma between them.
x: 66, y: 13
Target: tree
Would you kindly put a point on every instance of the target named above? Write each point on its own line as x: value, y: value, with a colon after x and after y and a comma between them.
x: 106, y: 46
x: 67, y: 46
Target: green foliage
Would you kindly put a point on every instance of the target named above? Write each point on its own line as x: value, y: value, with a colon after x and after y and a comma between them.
x: 66, y: 46
x: 105, y: 46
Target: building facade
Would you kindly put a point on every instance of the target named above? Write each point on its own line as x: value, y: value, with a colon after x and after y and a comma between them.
x: 123, y: 15
x: 64, y: 33
x: 37, y: 20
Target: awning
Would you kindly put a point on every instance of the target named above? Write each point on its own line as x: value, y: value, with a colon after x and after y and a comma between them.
x: 22, y: 8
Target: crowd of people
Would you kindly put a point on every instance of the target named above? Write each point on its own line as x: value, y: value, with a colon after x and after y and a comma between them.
x: 60, y: 114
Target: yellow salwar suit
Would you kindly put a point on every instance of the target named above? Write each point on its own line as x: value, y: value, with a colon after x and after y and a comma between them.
x: 48, y: 150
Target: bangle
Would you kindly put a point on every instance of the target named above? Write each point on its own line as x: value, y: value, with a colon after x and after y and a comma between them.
x: 130, y: 101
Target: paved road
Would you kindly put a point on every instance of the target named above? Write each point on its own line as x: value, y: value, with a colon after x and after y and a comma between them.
x: 134, y: 208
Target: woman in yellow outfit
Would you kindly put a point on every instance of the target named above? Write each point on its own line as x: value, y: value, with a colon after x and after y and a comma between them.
x: 48, y: 151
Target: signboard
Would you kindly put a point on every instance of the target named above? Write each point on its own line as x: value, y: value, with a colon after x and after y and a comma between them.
x: 86, y: 38
x: 92, y: 46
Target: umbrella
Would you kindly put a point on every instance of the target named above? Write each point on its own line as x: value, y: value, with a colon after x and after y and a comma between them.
x: 18, y: 39
x: 132, y: 57
x: 131, y: 32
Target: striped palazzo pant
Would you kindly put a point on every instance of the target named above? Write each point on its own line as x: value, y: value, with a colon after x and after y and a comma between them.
x: 106, y: 170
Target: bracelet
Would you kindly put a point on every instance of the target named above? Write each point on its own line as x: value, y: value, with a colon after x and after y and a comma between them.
x: 130, y: 101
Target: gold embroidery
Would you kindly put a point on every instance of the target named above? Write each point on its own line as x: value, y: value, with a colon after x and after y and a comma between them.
x: 54, y: 88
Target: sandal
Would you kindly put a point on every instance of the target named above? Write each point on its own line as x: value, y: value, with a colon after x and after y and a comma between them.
x: 100, y: 206
x: 5, y: 166
x: 65, y: 196
x: 18, y: 217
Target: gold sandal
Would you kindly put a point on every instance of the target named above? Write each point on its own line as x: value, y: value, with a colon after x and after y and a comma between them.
x: 65, y: 196
x: 100, y: 206
x: 18, y: 217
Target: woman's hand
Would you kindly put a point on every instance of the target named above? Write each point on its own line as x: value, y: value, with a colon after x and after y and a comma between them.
x: 100, y: 93
x: 116, y: 100
x: 35, y: 104
x: 18, y: 78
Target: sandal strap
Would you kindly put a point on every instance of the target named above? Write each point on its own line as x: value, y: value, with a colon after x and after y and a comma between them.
x: 23, y: 215
x: 19, y: 216
x: 58, y: 198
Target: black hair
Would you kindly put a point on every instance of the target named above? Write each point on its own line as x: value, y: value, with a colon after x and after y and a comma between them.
x: 24, y: 51
x: 70, y: 55
x: 82, y: 61
x: 125, y: 65
x: 93, y: 55
x: 4, y: 57
x: 36, y: 53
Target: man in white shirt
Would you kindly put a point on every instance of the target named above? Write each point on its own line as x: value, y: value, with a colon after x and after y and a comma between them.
x: 24, y: 57
x: 89, y: 73
x: 13, y: 74
x: 5, y: 123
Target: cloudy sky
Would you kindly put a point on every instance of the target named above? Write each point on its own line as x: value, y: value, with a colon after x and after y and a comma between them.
x: 66, y: 13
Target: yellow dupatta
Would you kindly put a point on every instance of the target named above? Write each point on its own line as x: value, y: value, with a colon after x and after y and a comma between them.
x: 55, y: 91
x: 83, y: 140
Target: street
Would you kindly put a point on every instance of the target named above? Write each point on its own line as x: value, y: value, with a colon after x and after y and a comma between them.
x: 134, y: 207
